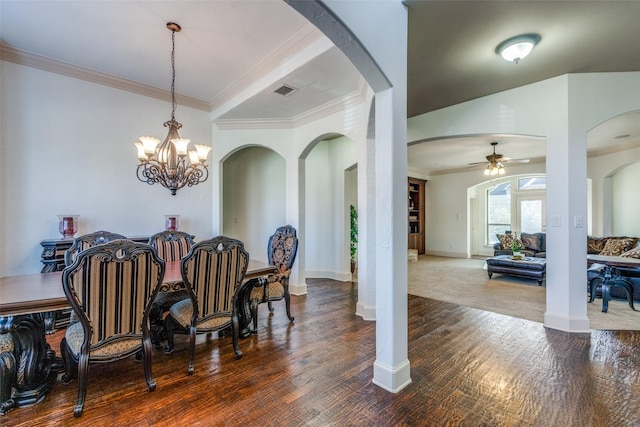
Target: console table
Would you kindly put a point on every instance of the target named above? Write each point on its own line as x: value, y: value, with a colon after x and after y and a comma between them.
x: 611, y: 275
x: 53, y: 251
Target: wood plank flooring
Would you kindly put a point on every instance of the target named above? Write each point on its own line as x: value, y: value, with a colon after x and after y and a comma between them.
x: 469, y: 368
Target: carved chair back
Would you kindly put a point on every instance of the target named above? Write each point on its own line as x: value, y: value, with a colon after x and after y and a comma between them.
x: 86, y: 241
x: 214, y: 270
x: 172, y: 245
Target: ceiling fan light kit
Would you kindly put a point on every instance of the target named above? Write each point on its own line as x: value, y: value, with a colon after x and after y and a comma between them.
x: 495, y: 162
x: 496, y: 168
x: 517, y: 48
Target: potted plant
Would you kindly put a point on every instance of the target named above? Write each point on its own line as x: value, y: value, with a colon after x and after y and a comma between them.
x: 353, y: 237
x: 516, y: 246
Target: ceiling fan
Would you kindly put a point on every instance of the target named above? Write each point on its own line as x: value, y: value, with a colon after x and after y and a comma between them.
x: 495, y: 162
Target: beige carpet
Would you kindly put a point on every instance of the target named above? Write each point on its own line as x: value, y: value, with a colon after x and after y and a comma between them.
x: 465, y: 282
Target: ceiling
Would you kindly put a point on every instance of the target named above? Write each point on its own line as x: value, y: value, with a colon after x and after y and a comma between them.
x: 232, y: 55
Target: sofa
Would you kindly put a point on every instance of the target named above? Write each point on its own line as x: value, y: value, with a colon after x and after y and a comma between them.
x: 534, y: 245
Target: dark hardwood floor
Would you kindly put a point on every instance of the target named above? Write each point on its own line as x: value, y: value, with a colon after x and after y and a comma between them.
x: 469, y: 368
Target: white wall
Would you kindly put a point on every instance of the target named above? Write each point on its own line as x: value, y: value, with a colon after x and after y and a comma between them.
x: 67, y: 147
x: 626, y: 201
x: 447, y: 228
x: 326, y: 214
x: 602, y: 171
x: 320, y: 221
x: 253, y: 206
x: 447, y: 221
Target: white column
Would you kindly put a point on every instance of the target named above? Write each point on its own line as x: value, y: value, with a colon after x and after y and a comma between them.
x: 366, y: 306
x: 391, y: 368
x: 295, y: 217
x: 566, y: 233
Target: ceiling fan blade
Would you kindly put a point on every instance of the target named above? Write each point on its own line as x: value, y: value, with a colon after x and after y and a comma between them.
x: 478, y: 163
x: 516, y: 161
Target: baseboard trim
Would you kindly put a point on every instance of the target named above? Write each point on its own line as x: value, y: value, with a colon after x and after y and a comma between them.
x: 392, y: 379
x: 566, y: 323
x: 366, y: 312
x: 334, y: 275
x: 448, y: 254
x: 298, y: 289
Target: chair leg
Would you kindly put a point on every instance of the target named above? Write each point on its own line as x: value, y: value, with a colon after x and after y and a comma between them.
x: 146, y: 360
x: 83, y: 373
x: 270, y: 305
x: 287, y: 302
x: 192, y: 348
x: 254, y: 315
x: 70, y: 365
x: 168, y: 326
x: 235, y: 326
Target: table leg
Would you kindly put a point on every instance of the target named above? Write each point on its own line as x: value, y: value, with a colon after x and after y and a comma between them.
x: 36, y: 366
x: 606, y: 295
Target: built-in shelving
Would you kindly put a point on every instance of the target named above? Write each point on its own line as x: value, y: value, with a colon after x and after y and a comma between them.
x: 416, y: 214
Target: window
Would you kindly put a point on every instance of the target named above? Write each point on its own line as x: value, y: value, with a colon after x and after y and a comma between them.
x: 532, y: 183
x: 498, y: 211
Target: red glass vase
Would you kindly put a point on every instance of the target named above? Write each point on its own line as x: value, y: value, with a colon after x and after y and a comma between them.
x: 172, y: 222
x: 68, y: 225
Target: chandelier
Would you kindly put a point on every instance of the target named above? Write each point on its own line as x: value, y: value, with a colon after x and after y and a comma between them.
x: 171, y: 164
x: 494, y: 168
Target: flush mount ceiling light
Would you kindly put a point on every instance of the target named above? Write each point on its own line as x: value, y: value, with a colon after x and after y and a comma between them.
x: 171, y: 165
x: 516, y: 48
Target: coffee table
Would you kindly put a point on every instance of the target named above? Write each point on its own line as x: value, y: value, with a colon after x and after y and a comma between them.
x: 527, y: 267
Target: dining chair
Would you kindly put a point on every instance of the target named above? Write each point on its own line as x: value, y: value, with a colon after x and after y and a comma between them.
x: 171, y: 245
x: 281, y: 251
x: 212, y: 272
x: 109, y: 288
x: 86, y: 241
x: 80, y: 244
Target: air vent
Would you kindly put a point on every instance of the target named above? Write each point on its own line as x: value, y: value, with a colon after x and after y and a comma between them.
x: 285, y: 90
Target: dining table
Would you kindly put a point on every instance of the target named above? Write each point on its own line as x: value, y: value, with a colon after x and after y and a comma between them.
x: 28, y: 364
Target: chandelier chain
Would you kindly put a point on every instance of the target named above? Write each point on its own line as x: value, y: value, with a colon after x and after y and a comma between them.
x: 173, y: 74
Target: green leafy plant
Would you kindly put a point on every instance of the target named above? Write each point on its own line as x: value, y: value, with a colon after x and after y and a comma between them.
x: 517, y: 244
x: 353, y: 238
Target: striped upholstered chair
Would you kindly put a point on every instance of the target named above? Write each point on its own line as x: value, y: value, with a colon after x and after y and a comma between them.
x: 171, y: 245
x: 212, y: 271
x: 281, y: 250
x: 86, y: 241
x: 109, y: 287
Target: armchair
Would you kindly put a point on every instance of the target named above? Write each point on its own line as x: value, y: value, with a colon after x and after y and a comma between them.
x: 212, y: 272
x: 109, y: 288
x: 281, y: 250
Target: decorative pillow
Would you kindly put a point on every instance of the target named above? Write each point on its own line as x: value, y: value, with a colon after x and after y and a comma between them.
x: 616, y: 247
x: 632, y: 253
x: 595, y: 245
x: 531, y: 241
x: 506, y: 241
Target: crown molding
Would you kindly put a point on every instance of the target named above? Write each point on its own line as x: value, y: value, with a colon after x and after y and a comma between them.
x: 58, y: 67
